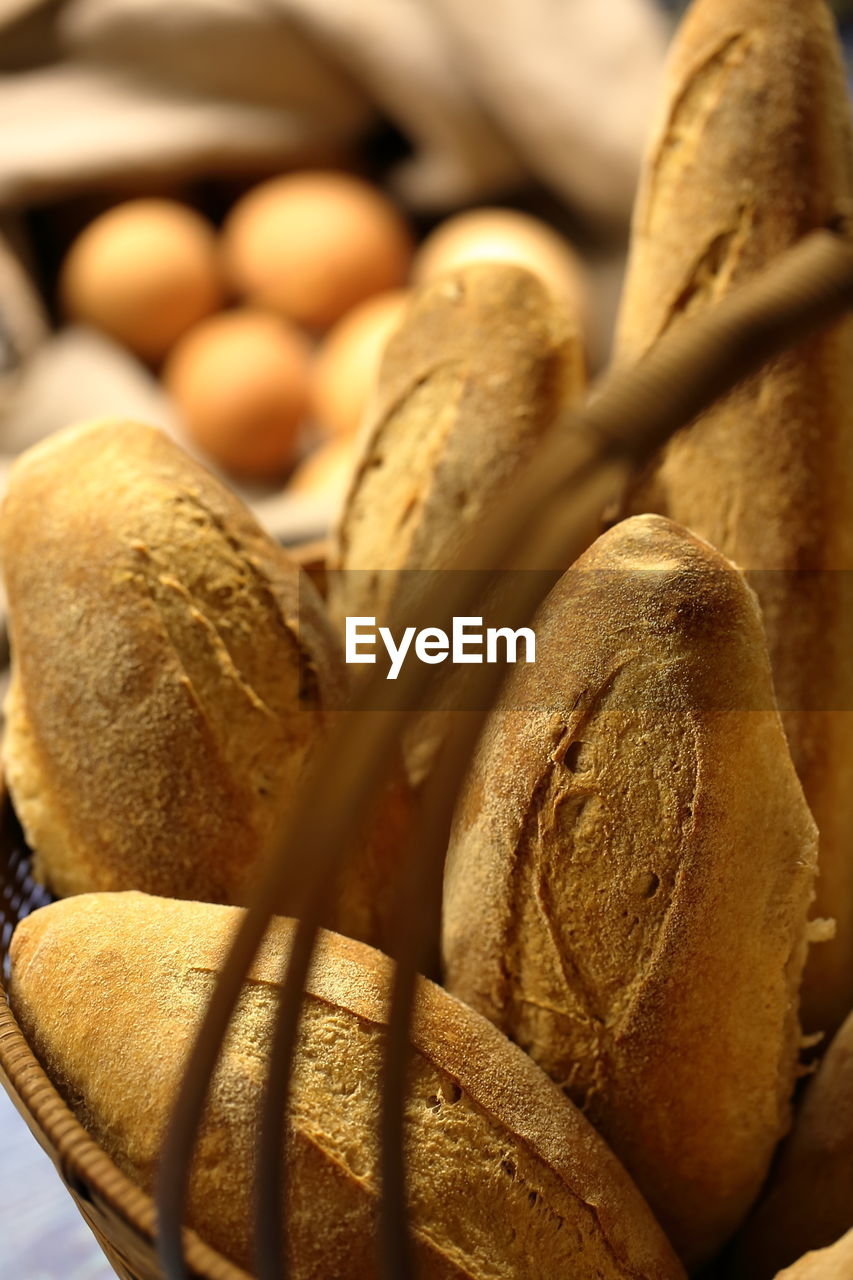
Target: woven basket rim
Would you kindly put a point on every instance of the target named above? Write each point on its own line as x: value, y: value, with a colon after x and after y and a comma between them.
x: 85, y: 1168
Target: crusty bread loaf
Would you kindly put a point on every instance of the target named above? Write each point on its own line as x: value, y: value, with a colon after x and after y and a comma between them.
x: 476, y: 373
x: 631, y: 868
x: 507, y: 1178
x: 172, y: 668
x: 754, y: 150
x: 809, y: 1201
x: 835, y: 1263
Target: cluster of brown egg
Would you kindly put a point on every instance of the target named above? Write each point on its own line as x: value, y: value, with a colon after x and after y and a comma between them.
x: 268, y: 333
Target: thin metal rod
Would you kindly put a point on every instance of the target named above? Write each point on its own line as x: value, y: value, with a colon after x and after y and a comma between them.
x: 634, y: 413
x: 176, y: 1158
x: 271, y: 1157
x: 420, y: 919
x: 317, y: 894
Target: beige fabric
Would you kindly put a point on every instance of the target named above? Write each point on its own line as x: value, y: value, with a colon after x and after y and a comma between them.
x: 76, y: 376
x: 12, y: 11
x: 572, y: 84
x: 487, y: 92
x: 72, y: 125
x: 419, y: 79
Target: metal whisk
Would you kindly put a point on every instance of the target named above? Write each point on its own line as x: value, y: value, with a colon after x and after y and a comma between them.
x: 550, y: 517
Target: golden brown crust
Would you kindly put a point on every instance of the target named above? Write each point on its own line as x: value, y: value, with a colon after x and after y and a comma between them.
x: 476, y: 373
x: 546, y: 1196
x: 753, y: 150
x: 172, y: 668
x: 630, y: 870
x: 809, y: 1201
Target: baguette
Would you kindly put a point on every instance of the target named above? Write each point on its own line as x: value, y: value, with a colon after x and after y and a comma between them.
x: 506, y: 1177
x: 754, y: 150
x: 172, y: 670
x: 809, y: 1202
x: 630, y: 871
x: 476, y: 373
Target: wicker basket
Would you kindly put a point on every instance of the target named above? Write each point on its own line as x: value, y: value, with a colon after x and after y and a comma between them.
x: 120, y: 1215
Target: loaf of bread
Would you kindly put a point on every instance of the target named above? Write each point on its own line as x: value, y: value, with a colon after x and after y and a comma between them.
x: 477, y: 372
x: 754, y: 150
x: 809, y: 1201
x: 835, y: 1263
x: 631, y: 868
x: 506, y: 1177
x: 172, y: 669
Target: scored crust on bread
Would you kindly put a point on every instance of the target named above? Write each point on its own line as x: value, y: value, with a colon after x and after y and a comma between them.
x: 505, y: 1176
x: 753, y: 150
x: 476, y: 373
x: 172, y: 668
x: 631, y: 868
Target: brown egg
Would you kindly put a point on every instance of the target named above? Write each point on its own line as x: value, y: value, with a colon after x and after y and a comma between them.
x: 143, y: 272
x: 312, y: 245
x: 240, y: 381
x: 326, y: 472
x: 506, y: 235
x: 347, y: 365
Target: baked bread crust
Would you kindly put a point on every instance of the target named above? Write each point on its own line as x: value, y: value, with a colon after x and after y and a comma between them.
x: 109, y: 990
x: 630, y: 871
x: 753, y: 150
x: 172, y: 668
x: 475, y: 375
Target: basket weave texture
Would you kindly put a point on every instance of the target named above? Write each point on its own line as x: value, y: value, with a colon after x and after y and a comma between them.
x: 119, y: 1214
